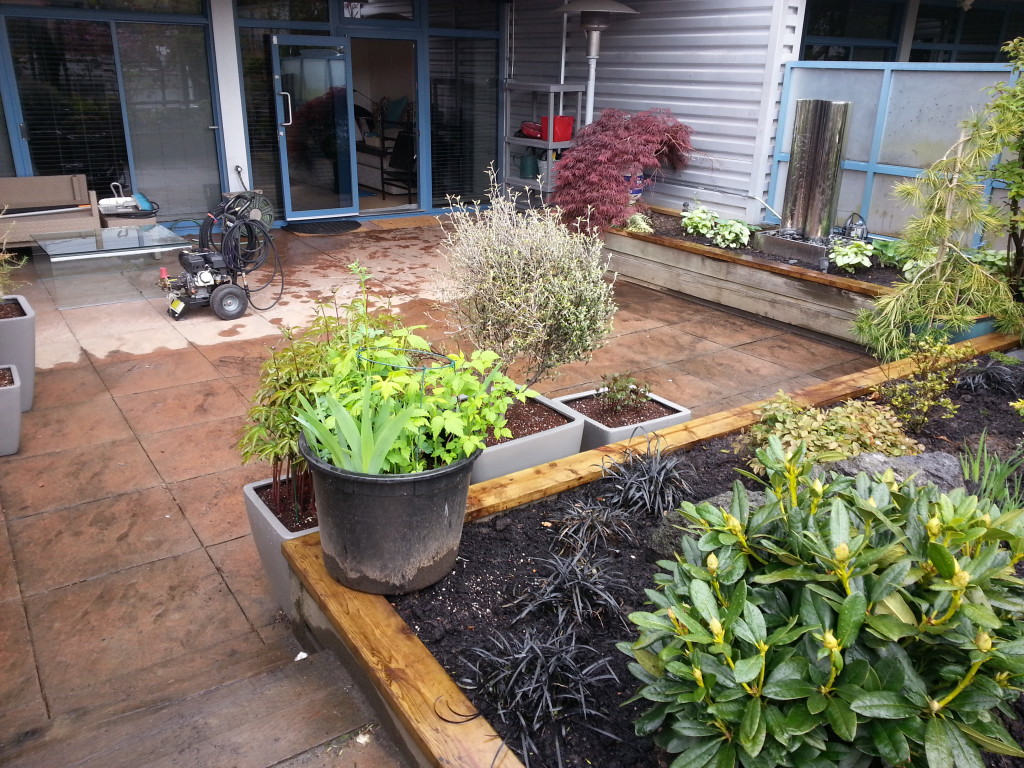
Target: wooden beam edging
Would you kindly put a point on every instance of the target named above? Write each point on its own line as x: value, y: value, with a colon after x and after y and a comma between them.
x: 429, y: 705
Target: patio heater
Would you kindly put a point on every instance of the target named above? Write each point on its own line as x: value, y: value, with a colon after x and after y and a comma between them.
x: 595, y: 17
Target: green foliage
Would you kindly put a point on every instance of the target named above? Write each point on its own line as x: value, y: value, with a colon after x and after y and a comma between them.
x: 945, y: 298
x: 841, y: 432
x: 847, y: 622
x: 994, y: 477
x: 289, y: 373
x: 389, y: 410
x: 946, y: 288
x: 640, y: 223
x: 699, y: 221
x: 732, y: 233
x: 523, y: 284
x: 622, y: 391
x: 888, y: 252
x: 921, y: 393
x: 725, y: 233
x: 851, y: 254
x: 1002, y: 125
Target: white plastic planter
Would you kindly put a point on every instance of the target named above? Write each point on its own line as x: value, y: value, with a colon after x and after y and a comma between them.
x: 596, y: 434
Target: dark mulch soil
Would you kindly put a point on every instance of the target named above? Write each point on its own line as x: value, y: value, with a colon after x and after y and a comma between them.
x: 10, y: 309
x: 498, y: 564
x: 528, y: 418
x: 668, y: 226
x: 6, y: 377
x: 608, y: 413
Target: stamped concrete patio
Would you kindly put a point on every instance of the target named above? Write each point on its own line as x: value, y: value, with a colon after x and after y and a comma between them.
x: 135, y: 624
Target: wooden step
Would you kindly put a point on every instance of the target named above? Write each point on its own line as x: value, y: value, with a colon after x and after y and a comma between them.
x: 290, y: 710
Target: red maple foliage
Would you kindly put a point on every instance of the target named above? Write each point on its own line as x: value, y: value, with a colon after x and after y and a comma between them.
x: 596, y: 173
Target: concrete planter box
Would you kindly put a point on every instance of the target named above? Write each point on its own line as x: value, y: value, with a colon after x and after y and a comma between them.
x: 10, y: 413
x: 268, y: 535
x: 18, y: 346
x: 532, y: 450
x: 596, y: 434
x: 791, y: 294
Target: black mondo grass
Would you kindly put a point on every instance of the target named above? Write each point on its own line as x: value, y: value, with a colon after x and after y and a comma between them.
x: 538, y: 686
x: 590, y: 528
x: 578, y: 588
x: 645, y: 483
x: 992, y: 375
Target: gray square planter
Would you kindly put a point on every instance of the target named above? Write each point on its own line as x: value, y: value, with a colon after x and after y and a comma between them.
x: 268, y: 535
x: 532, y: 450
x: 18, y: 346
x: 596, y: 434
x: 10, y: 413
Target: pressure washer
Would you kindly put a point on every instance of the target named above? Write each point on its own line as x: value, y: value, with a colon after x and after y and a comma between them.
x: 234, y: 241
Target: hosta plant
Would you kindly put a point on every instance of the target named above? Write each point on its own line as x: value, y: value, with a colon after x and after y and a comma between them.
x: 846, y: 622
x: 851, y: 254
x: 699, y: 221
x: 732, y: 233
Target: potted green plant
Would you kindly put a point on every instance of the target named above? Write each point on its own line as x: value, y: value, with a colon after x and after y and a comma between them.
x: 623, y: 407
x: 611, y: 158
x: 10, y: 409
x: 390, y: 438
x: 523, y: 284
x: 17, y: 329
x: 282, y: 507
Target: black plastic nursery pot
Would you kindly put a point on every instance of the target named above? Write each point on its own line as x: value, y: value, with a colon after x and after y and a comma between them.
x: 389, y: 534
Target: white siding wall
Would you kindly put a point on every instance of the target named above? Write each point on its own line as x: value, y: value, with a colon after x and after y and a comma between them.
x: 717, y: 64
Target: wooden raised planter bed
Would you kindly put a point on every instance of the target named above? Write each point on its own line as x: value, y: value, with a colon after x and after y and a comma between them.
x: 422, y: 699
x: 799, y: 296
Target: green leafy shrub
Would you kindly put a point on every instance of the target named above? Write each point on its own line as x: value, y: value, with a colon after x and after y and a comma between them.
x: 854, y: 622
x: 851, y: 254
x: 699, y: 221
x: 622, y: 391
x: 289, y: 373
x: 387, y: 410
x: 831, y: 434
x: 732, y: 233
x: 725, y: 233
x: 523, y: 284
x: 923, y: 392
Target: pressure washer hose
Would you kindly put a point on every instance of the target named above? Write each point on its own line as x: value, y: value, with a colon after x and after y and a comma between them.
x: 245, y: 245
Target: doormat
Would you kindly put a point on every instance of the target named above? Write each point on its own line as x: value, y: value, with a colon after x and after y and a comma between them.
x: 337, y: 227
x: 406, y: 222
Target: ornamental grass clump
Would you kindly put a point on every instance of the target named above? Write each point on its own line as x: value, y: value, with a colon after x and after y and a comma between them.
x: 524, y: 285
x: 846, y: 622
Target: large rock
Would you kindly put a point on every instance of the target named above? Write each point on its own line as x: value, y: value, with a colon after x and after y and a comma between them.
x: 943, y: 469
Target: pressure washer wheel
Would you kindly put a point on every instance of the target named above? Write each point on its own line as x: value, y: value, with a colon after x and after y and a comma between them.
x: 229, y: 301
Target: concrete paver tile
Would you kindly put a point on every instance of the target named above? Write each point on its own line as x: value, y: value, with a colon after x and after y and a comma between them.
x: 93, y: 422
x: 144, y: 373
x: 239, y: 563
x: 67, y: 386
x: 196, y: 449
x: 21, y: 705
x: 213, y: 503
x: 98, y: 538
x: 129, y: 620
x: 56, y: 480
x: 195, y: 405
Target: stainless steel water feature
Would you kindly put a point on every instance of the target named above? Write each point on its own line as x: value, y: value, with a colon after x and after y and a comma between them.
x: 812, y: 181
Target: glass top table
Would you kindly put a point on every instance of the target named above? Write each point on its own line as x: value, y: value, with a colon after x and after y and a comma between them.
x: 105, y: 266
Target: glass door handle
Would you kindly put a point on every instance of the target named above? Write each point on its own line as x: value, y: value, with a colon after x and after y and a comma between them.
x: 288, y: 99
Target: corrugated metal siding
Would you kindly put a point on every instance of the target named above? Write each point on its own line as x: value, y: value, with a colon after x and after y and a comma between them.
x: 715, y: 63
